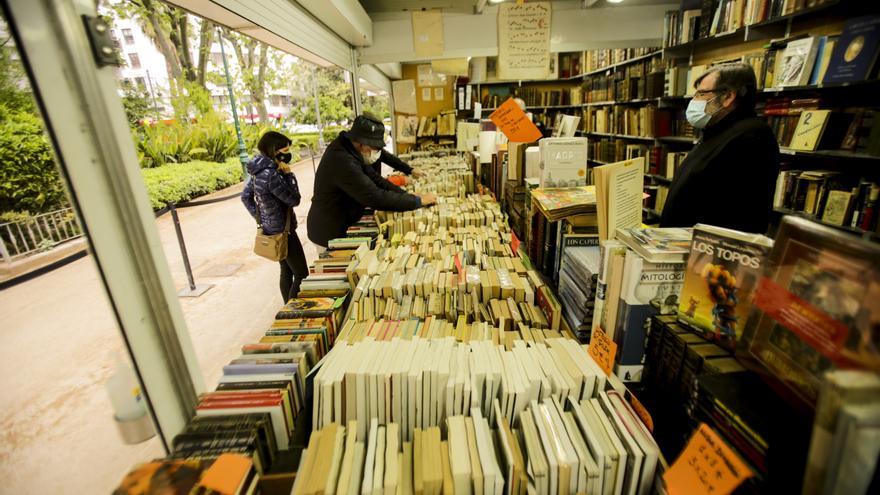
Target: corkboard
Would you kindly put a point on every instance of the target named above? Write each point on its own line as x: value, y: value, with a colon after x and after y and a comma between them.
x: 428, y: 108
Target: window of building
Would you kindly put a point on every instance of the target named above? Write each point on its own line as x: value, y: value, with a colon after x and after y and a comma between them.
x: 134, y: 60
x: 129, y: 36
x: 141, y: 83
x: 115, y: 37
x: 217, y: 59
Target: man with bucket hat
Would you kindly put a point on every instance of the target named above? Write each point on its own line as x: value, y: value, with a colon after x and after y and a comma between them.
x: 346, y: 183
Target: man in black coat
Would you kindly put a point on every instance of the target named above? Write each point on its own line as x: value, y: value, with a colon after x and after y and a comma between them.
x: 729, y: 177
x: 346, y: 183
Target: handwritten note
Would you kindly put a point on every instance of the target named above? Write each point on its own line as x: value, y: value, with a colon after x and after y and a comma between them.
x: 706, y: 466
x: 602, y: 350
x: 524, y: 40
x: 513, y: 122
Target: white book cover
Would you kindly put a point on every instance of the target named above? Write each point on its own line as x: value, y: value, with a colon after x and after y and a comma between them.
x: 563, y: 162
x: 797, y: 62
x: 635, y: 456
x: 370, y: 459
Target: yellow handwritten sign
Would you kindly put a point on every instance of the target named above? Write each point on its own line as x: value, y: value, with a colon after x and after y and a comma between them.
x: 514, y: 123
x: 602, y: 350
x: 707, y: 466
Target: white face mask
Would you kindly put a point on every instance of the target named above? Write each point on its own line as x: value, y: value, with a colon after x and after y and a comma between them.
x: 696, y: 113
x: 372, y: 157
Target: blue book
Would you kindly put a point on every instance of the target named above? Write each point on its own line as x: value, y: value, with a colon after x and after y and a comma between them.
x: 855, y: 51
x: 648, y: 289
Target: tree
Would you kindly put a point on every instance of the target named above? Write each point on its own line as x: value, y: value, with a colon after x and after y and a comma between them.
x: 136, y: 104
x: 15, y: 92
x: 170, y: 30
x: 253, y: 64
x: 334, y: 99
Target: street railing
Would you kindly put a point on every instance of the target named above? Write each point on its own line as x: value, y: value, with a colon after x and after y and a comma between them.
x: 38, y: 233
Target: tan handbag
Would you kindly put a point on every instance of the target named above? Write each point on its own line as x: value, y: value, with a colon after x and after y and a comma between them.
x: 272, y: 247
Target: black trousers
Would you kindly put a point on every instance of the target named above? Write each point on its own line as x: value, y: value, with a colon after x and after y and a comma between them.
x: 293, y: 268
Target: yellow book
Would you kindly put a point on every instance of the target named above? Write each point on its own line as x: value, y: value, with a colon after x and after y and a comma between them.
x: 809, y: 130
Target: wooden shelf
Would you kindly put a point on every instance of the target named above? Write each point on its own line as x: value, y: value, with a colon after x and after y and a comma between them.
x: 621, y: 136
x: 676, y: 139
x: 846, y: 228
x: 612, y: 103
x: 849, y: 155
x: 620, y: 64
x: 597, y: 162
x: 659, y: 179
x: 817, y: 87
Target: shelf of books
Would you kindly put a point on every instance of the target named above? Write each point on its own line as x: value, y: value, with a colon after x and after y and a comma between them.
x: 820, y: 105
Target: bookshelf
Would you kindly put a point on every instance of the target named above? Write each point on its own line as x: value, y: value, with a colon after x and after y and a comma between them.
x: 851, y: 164
x: 868, y: 235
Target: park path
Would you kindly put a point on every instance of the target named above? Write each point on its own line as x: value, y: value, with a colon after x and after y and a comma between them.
x: 58, y: 339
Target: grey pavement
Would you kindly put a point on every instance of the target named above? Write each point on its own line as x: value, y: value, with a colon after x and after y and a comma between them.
x: 59, y: 339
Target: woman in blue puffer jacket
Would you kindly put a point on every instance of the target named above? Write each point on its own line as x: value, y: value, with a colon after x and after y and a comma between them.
x: 272, y: 192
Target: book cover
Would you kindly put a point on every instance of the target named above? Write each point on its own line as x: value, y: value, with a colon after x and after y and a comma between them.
x: 313, y: 307
x: 837, y: 206
x: 816, y: 307
x: 855, y: 52
x: 561, y: 202
x: 722, y: 274
x: 798, y: 58
x: 648, y: 289
x: 809, y: 129
x: 563, y: 162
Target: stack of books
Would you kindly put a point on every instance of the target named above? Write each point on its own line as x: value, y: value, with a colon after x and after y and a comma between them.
x: 418, y: 383
x: 558, y: 446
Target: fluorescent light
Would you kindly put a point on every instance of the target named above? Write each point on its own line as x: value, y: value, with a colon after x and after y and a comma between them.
x: 614, y: 1
x: 495, y: 1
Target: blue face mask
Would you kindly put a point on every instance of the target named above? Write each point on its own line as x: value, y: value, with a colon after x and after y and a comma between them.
x: 696, y: 113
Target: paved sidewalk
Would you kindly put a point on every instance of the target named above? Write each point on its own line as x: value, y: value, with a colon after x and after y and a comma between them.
x: 58, y: 339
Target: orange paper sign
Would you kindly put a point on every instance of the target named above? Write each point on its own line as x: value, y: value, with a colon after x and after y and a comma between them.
x: 706, y: 467
x: 602, y: 350
x: 514, y: 123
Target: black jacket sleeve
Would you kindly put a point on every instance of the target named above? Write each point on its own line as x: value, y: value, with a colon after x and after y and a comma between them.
x: 247, y: 197
x: 284, y: 188
x: 360, y: 185
x: 395, y: 162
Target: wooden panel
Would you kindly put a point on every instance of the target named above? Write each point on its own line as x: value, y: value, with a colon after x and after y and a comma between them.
x: 428, y: 108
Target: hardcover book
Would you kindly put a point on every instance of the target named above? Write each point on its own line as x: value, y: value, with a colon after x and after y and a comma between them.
x: 648, y: 289
x: 722, y: 274
x: 797, y: 62
x: 816, y: 307
x: 855, y: 52
x: 563, y: 162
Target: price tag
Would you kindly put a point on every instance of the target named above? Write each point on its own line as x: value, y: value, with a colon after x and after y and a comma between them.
x: 514, y: 123
x: 514, y: 243
x: 706, y: 467
x: 641, y: 411
x: 602, y: 350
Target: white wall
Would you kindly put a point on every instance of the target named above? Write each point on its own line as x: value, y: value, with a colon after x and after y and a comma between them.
x: 572, y: 29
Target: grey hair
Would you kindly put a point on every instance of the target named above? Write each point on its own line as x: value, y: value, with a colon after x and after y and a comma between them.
x: 737, y: 78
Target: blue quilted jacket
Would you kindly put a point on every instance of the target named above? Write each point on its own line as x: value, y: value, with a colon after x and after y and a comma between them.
x: 275, y: 193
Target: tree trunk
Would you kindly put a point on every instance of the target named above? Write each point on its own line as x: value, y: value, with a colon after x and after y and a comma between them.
x: 172, y: 61
x: 260, y: 93
x: 206, y: 36
x: 182, y: 21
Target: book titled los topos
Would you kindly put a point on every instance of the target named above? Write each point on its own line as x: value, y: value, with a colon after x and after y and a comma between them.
x: 722, y: 274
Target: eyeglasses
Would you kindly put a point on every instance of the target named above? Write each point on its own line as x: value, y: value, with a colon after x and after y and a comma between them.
x: 704, y: 92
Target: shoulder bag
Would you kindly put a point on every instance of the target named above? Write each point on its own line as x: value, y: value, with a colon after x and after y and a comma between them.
x: 272, y: 247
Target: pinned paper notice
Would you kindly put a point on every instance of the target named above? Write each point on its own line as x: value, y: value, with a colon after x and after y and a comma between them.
x: 602, y: 350
x: 514, y: 123
x: 706, y: 466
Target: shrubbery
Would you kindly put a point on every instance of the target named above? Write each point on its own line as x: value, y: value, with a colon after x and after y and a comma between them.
x: 176, y: 182
x: 29, y: 180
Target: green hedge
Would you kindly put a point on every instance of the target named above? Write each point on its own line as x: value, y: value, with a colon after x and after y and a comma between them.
x: 177, y: 182
x: 29, y: 180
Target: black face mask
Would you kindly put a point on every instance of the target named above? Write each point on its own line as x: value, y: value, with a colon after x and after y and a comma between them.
x: 284, y: 157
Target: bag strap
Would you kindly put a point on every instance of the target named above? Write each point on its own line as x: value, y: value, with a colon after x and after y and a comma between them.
x: 256, y: 203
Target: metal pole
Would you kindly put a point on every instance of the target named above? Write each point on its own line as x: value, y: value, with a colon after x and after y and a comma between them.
x: 242, y: 151
x: 153, y: 96
x: 192, y: 290
x: 317, y: 108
